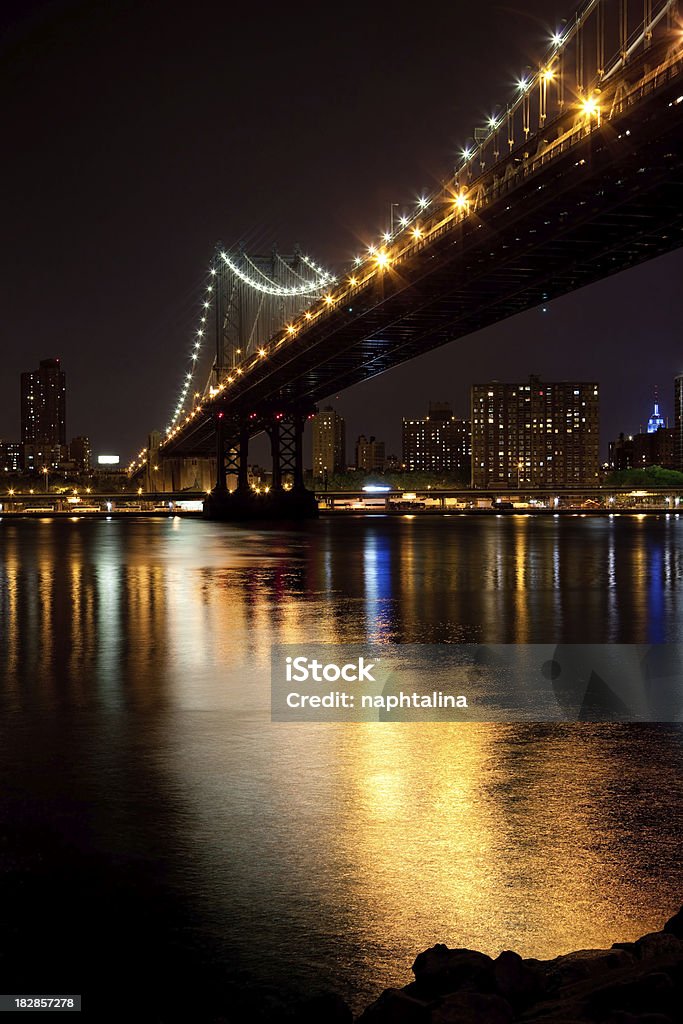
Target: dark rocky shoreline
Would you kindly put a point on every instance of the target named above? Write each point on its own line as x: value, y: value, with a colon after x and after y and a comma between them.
x: 637, y: 982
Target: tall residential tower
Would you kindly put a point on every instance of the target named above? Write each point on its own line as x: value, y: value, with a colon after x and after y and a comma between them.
x: 43, y: 415
x: 329, y: 443
x: 535, y: 434
x: 439, y: 443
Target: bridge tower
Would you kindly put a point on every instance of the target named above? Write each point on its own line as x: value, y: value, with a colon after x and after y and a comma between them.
x: 287, y: 496
x: 576, y: 177
x: 254, y: 295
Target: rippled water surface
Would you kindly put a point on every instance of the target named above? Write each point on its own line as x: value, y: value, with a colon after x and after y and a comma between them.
x: 156, y: 825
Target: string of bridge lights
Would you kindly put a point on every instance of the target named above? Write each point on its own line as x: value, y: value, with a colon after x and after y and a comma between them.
x: 188, y: 378
x: 546, y: 73
x: 377, y: 257
x: 313, y: 287
x: 321, y: 280
x: 375, y: 260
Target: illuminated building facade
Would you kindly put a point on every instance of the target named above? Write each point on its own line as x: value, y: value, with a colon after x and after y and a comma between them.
x: 80, y: 452
x: 439, y: 443
x: 43, y: 415
x: 370, y: 454
x: 329, y: 443
x: 678, y: 422
x: 10, y: 457
x: 535, y: 434
x: 656, y: 420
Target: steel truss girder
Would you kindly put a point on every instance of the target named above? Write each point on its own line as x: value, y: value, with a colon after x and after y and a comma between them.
x: 284, y: 426
x: 605, y: 203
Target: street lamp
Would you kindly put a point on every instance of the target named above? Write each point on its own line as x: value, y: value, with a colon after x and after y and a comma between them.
x: 47, y: 477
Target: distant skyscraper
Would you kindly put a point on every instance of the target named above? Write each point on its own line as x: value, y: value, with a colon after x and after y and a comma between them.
x: 370, y: 454
x: 10, y: 457
x: 656, y: 420
x: 655, y: 447
x: 329, y: 443
x: 536, y: 434
x: 439, y: 443
x: 43, y: 414
x: 81, y: 453
x: 678, y: 421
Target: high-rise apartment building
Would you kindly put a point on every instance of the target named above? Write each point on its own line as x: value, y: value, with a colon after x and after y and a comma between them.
x: 535, y: 434
x: 439, y: 443
x: 80, y: 452
x: 678, y: 422
x: 43, y: 414
x: 370, y: 454
x: 329, y: 443
x: 10, y: 457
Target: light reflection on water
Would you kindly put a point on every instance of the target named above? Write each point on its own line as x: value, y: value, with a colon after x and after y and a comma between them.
x: 135, y: 689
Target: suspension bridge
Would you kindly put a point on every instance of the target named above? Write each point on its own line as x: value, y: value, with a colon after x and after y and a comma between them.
x: 576, y: 177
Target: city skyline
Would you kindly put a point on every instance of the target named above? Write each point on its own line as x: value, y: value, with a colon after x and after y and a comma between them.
x: 341, y: 511
x: 658, y: 417
x: 127, y: 314
x: 624, y: 400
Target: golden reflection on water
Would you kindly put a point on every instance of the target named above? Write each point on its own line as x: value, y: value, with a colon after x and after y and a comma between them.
x: 394, y: 835
x: 10, y: 609
x: 522, y: 567
x: 481, y: 836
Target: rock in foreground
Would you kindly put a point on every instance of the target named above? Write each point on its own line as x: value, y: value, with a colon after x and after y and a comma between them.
x: 637, y: 982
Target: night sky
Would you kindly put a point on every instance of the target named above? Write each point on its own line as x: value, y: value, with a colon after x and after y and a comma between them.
x: 140, y: 132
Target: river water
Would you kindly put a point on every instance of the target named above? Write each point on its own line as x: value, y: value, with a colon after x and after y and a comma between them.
x: 158, y: 829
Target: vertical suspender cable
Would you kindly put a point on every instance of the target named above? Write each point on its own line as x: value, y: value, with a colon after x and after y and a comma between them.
x: 560, y: 79
x: 647, y: 23
x: 543, y: 80
x: 579, y: 59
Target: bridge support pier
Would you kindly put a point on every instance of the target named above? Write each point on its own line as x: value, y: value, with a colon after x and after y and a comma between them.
x: 221, y: 484
x: 286, y: 498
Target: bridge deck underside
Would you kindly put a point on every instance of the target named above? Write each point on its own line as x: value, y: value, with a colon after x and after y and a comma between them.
x: 610, y: 202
